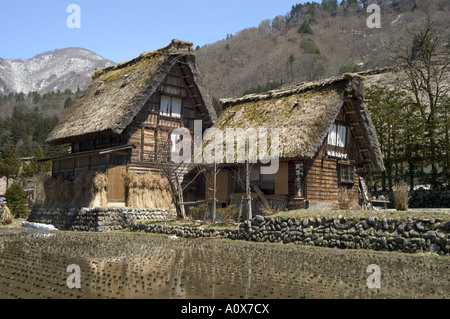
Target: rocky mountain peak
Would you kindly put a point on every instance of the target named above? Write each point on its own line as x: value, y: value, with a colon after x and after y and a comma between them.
x: 61, y: 69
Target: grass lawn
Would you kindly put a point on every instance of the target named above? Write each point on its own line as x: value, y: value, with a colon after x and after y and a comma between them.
x: 307, y: 213
x: 389, y: 213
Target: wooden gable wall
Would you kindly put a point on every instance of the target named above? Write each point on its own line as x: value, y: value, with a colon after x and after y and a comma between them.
x: 322, y: 173
x: 150, y: 131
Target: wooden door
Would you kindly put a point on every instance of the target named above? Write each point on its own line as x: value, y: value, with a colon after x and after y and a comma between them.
x: 116, y: 184
x: 281, y: 179
x: 222, y: 186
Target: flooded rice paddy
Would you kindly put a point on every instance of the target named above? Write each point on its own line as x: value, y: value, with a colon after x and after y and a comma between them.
x: 34, y: 264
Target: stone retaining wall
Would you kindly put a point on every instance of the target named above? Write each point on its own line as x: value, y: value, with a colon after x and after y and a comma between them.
x: 408, y: 235
x: 405, y: 235
x: 95, y: 219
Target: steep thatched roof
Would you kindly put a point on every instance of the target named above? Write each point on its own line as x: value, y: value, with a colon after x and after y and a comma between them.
x: 303, y: 115
x: 118, y: 93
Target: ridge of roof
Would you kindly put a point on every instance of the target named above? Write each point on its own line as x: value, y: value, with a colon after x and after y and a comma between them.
x: 175, y: 46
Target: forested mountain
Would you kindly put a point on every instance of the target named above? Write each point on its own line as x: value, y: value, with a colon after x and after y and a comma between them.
x: 312, y: 41
x: 27, y: 119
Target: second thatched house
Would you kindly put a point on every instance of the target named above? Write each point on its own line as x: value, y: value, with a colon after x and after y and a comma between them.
x: 119, y: 131
x: 327, y: 143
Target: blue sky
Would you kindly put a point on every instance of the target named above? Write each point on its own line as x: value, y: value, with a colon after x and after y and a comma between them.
x: 121, y: 30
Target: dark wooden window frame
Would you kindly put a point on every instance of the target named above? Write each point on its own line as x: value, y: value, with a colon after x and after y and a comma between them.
x: 346, y: 174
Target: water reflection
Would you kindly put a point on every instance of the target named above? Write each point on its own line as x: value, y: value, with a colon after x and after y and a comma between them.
x: 122, y: 265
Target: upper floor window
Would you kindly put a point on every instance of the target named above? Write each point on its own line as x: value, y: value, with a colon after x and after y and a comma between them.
x: 170, y: 106
x: 337, y: 135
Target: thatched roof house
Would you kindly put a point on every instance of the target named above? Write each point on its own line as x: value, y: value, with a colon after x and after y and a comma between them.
x: 118, y: 93
x: 122, y: 125
x: 304, y: 113
x: 327, y: 141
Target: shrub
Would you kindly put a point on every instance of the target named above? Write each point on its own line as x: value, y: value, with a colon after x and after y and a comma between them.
x: 16, y: 200
x: 272, y: 208
x: 349, y: 69
x: 305, y: 28
x: 401, y: 196
x: 310, y: 46
x: 198, y: 212
x: 229, y: 213
x: 344, y: 201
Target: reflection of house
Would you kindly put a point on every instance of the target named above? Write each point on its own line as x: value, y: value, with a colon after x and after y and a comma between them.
x: 326, y: 141
x: 132, y: 276
x: 123, y: 121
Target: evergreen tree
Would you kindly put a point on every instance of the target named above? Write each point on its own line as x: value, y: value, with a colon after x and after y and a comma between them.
x: 9, y: 162
x: 16, y: 201
x: 68, y: 102
x: 399, y: 132
x: 330, y: 6
x: 34, y: 167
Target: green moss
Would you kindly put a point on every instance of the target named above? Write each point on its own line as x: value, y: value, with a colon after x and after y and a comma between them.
x: 143, y: 61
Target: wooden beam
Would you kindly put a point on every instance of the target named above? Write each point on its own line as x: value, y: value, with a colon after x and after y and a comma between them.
x: 261, y: 195
x: 198, y: 202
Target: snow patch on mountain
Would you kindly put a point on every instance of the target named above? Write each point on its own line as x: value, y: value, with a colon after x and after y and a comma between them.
x: 69, y: 68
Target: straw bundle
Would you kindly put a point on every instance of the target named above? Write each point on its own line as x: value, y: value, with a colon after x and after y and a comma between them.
x: 6, y: 217
x: 66, y: 193
x: 86, y: 190
x: 40, y: 194
x: 80, y: 188
x: 345, y: 200
x: 58, y: 192
x: 49, y: 190
x: 148, y: 190
x: 98, y: 190
x: 401, y: 196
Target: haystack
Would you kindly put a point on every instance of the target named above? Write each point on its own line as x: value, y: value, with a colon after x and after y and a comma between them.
x: 98, y: 190
x: 39, y: 195
x: 6, y: 217
x: 148, y: 190
x: 88, y: 189
x: 81, y: 186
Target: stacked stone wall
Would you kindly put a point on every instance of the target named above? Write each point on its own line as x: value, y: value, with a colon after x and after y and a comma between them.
x: 407, y: 235
x: 96, y: 219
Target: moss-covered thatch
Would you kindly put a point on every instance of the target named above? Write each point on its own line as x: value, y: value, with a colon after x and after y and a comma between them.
x: 303, y: 115
x: 118, y: 93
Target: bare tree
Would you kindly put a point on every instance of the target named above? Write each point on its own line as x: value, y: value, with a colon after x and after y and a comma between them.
x: 425, y: 61
x: 174, y: 173
x: 246, y: 185
x: 214, y: 169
